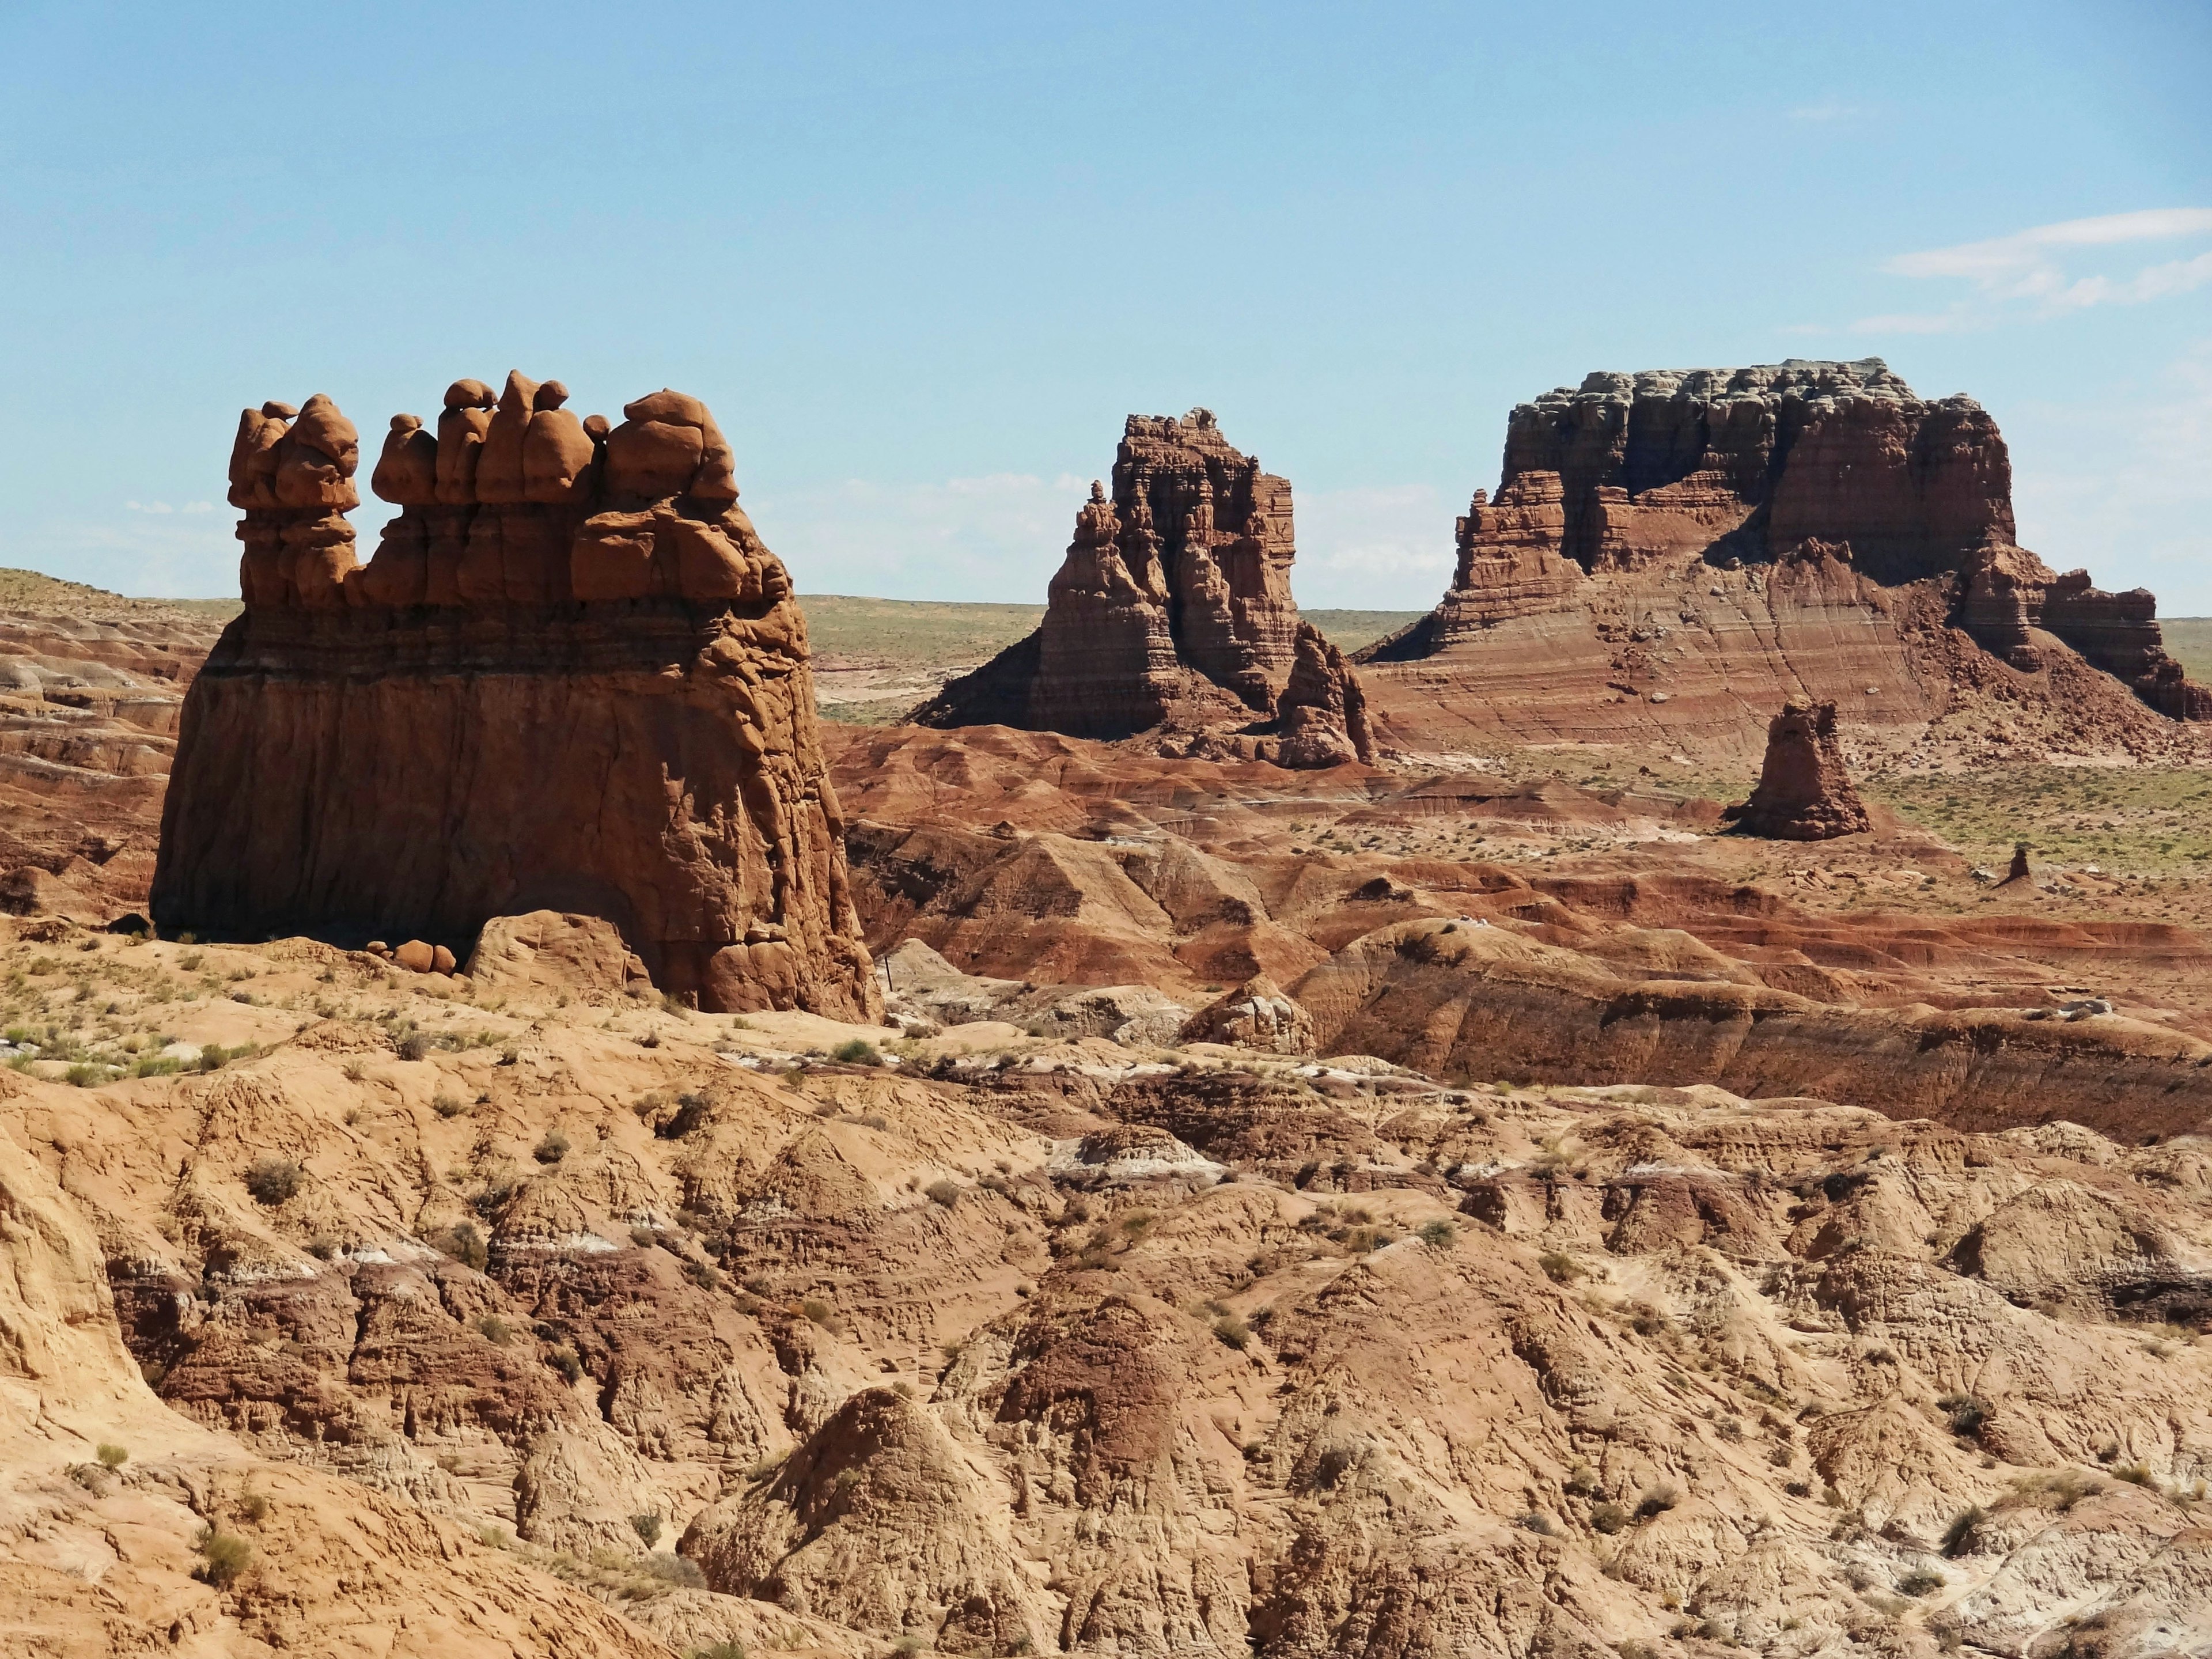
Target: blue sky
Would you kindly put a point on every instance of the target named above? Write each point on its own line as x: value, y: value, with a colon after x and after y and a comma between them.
x: 922, y: 260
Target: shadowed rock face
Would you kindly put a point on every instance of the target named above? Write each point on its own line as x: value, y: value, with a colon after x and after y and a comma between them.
x: 1173, y: 609
x: 573, y: 679
x: 1792, y: 462
x: 1804, y: 794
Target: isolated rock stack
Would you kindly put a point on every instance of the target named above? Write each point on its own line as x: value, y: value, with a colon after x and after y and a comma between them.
x: 572, y: 679
x: 1804, y: 792
x: 1172, y: 611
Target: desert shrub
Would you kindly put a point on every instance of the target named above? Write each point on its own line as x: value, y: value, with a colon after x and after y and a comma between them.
x: 410, y: 1045
x: 2060, y: 1492
x: 1921, y: 1581
x: 273, y: 1180
x: 1438, y: 1234
x: 84, y: 1075
x: 1657, y: 1501
x: 213, y: 1057
x: 1961, y: 1535
x: 564, y: 1360
x: 644, y: 1237
x: 676, y: 1569
x: 942, y: 1192
x: 1967, y: 1413
x: 156, y: 1066
x: 191, y: 961
x: 1233, y: 1331
x: 223, y: 1558
x: 254, y: 1507
x: 647, y: 1526
x: 1609, y: 1517
x: 494, y: 1329
x: 322, y: 1247
x: 1535, y: 1522
x: 112, y: 1457
x: 818, y: 1311
x: 1560, y: 1268
x: 858, y: 1051
x: 1798, y: 1488
x: 463, y: 1243
x: 446, y: 1103
x: 2134, y: 1473
x: 552, y: 1148
x: 721, y: 1650
x: 1581, y: 1482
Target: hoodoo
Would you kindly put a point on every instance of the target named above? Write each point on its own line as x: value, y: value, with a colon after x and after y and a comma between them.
x: 1804, y: 792
x: 1172, y: 611
x: 572, y: 678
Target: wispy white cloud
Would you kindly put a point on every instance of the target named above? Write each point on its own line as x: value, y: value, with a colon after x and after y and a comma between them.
x: 1387, y: 548
x: 2120, y: 486
x: 2035, y: 272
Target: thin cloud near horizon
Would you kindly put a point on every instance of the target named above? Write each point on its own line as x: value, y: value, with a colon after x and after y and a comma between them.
x: 2026, y: 273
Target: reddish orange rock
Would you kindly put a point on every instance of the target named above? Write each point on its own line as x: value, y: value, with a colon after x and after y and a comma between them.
x: 1816, y: 487
x: 1172, y: 609
x: 567, y: 682
x: 1804, y: 792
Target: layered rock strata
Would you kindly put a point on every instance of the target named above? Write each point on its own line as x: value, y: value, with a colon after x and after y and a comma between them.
x: 1172, y: 609
x: 572, y: 678
x: 1805, y: 792
x: 1798, y: 462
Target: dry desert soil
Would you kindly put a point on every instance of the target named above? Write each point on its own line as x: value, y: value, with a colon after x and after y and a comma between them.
x: 1464, y: 1206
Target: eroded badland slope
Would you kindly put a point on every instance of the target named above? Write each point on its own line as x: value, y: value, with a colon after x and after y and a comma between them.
x: 1026, y: 1343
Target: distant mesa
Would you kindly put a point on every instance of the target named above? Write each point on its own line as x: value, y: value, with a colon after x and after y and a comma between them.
x: 572, y: 679
x: 1172, y: 614
x: 1805, y: 792
x: 1834, y: 478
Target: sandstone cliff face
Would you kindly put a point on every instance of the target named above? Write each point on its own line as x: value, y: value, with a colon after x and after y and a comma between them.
x: 1173, y: 609
x: 1613, y: 490
x: 572, y: 678
x: 1804, y: 792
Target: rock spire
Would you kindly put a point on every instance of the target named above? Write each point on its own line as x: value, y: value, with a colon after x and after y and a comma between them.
x: 1172, y: 611
x: 1804, y: 792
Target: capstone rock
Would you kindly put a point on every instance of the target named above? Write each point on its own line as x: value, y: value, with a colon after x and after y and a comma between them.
x: 1830, y: 471
x: 572, y: 679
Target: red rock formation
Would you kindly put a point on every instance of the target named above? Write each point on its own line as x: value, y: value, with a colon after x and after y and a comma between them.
x: 573, y: 679
x: 1322, y: 720
x: 1804, y: 792
x: 1172, y: 609
x: 1631, y: 478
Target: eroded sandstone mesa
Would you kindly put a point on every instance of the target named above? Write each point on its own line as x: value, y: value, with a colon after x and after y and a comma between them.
x: 1172, y: 611
x: 571, y: 679
x: 1804, y: 792
x: 1797, y: 463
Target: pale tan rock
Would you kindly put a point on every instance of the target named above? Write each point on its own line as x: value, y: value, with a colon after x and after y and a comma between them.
x: 553, y: 953
x: 1257, y: 1015
x: 415, y: 956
